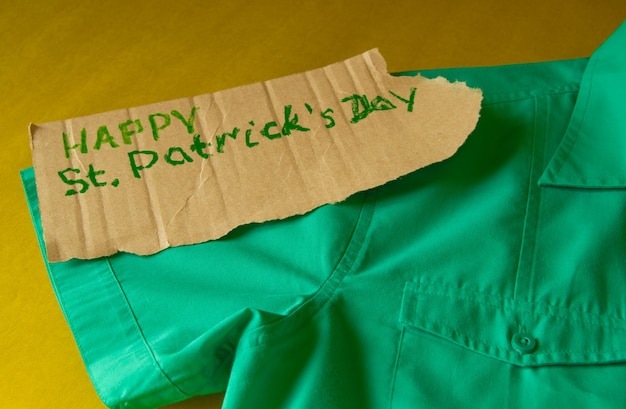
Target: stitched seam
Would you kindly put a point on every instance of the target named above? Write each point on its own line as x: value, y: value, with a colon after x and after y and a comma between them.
x: 579, y: 118
x: 558, y: 316
x: 396, y: 366
x: 427, y: 284
x: 528, y: 308
x: 140, y: 330
x: 493, y: 99
x: 525, y: 262
x: 601, y: 179
x: 313, y: 304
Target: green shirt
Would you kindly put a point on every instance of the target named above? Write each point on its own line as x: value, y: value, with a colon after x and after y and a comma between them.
x: 494, y: 279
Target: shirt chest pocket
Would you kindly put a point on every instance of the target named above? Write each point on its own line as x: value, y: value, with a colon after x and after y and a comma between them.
x: 466, y: 349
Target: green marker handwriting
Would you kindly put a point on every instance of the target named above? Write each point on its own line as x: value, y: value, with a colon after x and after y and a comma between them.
x: 295, y: 120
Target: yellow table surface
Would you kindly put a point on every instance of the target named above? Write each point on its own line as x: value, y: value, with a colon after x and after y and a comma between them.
x: 62, y: 59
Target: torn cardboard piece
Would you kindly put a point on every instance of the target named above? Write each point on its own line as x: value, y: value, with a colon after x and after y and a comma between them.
x: 186, y: 171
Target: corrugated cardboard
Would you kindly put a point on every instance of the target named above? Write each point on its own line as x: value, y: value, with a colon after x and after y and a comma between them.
x: 190, y: 170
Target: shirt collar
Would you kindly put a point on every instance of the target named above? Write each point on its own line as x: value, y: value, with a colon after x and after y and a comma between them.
x: 592, y: 153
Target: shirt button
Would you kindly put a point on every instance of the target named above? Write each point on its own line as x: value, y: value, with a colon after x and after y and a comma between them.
x: 523, y: 343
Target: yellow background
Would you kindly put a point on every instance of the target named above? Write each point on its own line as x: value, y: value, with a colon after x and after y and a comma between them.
x: 65, y: 59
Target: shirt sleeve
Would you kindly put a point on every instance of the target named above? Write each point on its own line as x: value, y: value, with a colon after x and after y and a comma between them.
x: 157, y: 329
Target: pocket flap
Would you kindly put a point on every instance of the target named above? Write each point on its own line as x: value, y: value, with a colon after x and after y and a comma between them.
x: 520, y: 333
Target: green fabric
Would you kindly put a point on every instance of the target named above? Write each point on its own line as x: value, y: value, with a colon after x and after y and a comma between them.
x: 494, y: 279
